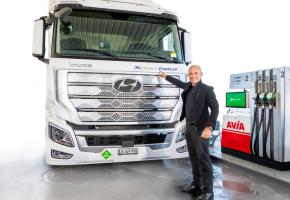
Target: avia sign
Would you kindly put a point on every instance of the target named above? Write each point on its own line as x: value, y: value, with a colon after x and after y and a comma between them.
x: 239, y: 126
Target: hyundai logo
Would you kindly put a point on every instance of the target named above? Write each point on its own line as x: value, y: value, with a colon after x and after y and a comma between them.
x: 127, y: 85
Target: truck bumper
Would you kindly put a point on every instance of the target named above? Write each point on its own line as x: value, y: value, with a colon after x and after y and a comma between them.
x: 109, y: 154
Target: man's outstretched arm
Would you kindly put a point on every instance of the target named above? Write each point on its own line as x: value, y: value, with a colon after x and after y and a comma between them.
x: 173, y: 80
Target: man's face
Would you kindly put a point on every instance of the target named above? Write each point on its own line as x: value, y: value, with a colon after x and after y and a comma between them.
x: 194, y: 75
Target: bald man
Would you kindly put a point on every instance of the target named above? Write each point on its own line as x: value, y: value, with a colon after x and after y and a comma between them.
x: 197, y: 98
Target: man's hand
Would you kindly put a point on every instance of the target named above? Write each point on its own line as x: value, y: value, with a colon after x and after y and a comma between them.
x: 162, y: 74
x: 206, y: 133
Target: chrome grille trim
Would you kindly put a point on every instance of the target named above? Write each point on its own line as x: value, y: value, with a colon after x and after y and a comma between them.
x: 123, y: 104
x: 125, y: 116
x: 109, y: 84
x: 112, y: 92
x: 90, y: 77
x: 122, y: 132
x: 119, y: 110
x: 119, y: 97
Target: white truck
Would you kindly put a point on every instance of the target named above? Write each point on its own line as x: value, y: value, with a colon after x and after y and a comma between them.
x: 105, y: 99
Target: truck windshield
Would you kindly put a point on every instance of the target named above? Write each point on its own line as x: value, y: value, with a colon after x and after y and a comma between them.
x: 103, y: 35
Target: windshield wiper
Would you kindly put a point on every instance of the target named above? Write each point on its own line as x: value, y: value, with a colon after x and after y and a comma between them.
x: 155, y: 56
x: 106, y: 53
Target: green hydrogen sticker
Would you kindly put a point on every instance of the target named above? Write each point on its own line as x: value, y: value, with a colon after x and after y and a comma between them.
x: 106, y: 154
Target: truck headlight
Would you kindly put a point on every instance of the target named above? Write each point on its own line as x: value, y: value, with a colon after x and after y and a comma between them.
x: 180, y: 134
x: 60, y: 136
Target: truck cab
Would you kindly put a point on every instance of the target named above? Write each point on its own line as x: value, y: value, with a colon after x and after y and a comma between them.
x: 105, y: 99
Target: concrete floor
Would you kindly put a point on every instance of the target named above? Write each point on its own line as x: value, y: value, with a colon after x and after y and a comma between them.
x: 273, y: 173
x: 30, y: 178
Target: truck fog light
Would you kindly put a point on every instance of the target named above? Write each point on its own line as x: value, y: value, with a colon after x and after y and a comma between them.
x: 182, y: 149
x: 60, y: 136
x: 180, y: 134
x: 60, y: 155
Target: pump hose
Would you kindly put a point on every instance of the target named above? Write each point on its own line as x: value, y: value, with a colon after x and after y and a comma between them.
x: 265, y: 140
x: 256, y: 142
x: 253, y: 129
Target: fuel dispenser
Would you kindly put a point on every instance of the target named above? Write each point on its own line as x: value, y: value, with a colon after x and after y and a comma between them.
x: 256, y: 125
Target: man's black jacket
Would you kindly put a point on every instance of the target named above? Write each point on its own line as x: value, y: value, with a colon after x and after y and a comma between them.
x: 204, y: 98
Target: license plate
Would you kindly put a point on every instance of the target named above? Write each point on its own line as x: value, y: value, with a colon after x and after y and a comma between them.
x: 127, y: 151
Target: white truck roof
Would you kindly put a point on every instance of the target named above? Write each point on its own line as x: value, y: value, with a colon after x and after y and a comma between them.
x: 138, y: 6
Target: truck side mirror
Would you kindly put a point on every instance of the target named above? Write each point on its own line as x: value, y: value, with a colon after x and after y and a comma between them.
x: 38, y: 46
x: 186, y: 45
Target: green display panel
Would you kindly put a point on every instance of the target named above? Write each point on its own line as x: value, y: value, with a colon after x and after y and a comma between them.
x: 236, y: 100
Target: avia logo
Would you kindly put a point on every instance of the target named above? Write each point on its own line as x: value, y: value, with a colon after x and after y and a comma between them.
x: 236, y: 125
x: 127, y: 85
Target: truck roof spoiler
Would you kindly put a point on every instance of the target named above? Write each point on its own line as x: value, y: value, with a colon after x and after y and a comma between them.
x: 120, y: 6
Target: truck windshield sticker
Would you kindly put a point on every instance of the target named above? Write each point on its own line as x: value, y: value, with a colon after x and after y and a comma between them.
x: 173, y: 54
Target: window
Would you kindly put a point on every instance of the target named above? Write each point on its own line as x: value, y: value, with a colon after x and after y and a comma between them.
x: 117, y: 36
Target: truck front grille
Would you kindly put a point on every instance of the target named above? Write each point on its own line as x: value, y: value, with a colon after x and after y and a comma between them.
x: 117, y: 140
x: 97, y: 99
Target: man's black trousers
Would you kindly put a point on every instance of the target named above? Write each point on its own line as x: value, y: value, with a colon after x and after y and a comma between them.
x: 199, y: 156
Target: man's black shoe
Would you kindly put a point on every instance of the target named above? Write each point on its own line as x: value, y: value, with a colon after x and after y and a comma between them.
x: 196, y: 192
x: 205, y: 196
x: 193, y: 189
x: 188, y: 188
